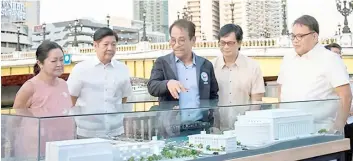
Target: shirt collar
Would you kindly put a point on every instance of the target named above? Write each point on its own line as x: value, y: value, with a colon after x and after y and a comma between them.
x: 193, y: 59
x: 238, y: 62
x: 310, y: 53
x: 96, y: 62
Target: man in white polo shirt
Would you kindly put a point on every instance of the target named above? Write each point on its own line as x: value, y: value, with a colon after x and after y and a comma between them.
x: 315, y: 73
x: 99, y: 85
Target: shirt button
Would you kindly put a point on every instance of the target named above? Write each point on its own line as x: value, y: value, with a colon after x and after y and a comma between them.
x: 186, y: 79
x: 230, y: 93
x: 230, y: 81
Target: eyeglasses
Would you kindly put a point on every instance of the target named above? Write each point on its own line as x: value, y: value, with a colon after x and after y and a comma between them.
x: 180, y: 41
x: 299, y: 36
x: 229, y: 43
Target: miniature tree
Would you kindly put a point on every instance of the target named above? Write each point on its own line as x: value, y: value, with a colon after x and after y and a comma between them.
x: 178, y: 155
x: 223, y: 148
x: 164, y: 152
x: 155, y: 157
x: 187, y: 153
x: 142, y: 159
x: 150, y: 158
x: 183, y: 153
x: 170, y: 155
x: 131, y: 159
x: 194, y: 152
x: 179, y: 151
x: 322, y: 131
x: 208, y: 147
x: 238, y: 143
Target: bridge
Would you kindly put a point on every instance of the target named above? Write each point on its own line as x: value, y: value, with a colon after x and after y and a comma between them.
x: 18, y: 67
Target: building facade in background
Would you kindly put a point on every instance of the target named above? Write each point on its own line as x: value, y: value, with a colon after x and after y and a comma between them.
x: 227, y: 16
x: 156, y: 13
x: 258, y: 18
x: 18, y: 14
x: 205, y: 15
x: 264, y: 18
x: 10, y: 37
x: 64, y: 35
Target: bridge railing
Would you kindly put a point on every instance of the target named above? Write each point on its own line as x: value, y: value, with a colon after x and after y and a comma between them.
x: 18, y: 55
x: 145, y: 47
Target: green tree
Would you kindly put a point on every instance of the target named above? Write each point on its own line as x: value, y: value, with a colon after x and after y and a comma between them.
x: 164, y: 152
x: 171, y: 147
x: 193, y: 152
x: 208, y: 147
x: 223, y: 148
x: 178, y: 155
x: 155, y: 157
x: 131, y: 159
x: 150, y: 158
x: 322, y: 131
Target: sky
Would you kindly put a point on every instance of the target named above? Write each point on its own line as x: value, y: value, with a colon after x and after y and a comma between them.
x: 63, y: 10
x: 60, y: 10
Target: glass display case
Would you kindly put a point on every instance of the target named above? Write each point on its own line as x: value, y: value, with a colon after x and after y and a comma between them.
x: 164, y: 131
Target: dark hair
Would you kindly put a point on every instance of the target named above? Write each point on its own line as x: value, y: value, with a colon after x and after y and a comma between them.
x: 308, y: 21
x: 42, y: 53
x: 103, y: 32
x: 229, y: 28
x: 333, y: 45
x: 184, y: 24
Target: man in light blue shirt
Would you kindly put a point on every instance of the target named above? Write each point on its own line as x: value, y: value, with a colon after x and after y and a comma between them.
x: 190, y: 98
x: 185, y: 79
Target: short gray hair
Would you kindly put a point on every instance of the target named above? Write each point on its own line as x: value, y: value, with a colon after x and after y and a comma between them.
x: 308, y: 21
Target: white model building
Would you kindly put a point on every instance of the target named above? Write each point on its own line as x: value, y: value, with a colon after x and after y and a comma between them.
x: 124, y: 150
x: 215, y: 141
x: 258, y: 128
x: 94, y: 149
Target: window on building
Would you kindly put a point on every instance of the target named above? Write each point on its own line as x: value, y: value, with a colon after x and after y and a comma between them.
x: 12, y: 45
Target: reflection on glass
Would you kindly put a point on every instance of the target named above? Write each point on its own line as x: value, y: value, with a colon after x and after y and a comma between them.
x: 158, y: 132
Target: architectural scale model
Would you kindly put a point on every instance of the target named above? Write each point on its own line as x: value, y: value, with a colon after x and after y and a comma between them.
x: 226, y: 142
x: 258, y: 128
x: 94, y: 149
x: 125, y: 150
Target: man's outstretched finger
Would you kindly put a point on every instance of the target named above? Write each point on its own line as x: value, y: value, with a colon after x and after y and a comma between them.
x: 178, y: 89
x: 183, y: 89
x: 175, y: 94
